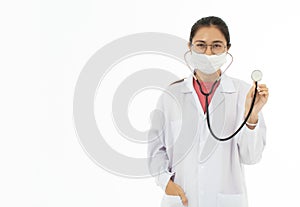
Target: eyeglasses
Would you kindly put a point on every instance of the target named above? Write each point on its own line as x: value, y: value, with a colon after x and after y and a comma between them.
x: 216, y: 48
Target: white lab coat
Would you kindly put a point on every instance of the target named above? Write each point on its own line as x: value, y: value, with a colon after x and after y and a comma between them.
x: 181, y: 147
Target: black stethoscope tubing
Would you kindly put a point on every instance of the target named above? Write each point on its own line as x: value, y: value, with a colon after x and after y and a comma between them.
x: 207, y: 112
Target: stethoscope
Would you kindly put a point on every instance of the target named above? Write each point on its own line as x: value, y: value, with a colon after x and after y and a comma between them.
x: 256, y: 76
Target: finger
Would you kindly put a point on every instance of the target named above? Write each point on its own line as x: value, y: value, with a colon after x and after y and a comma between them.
x: 183, y: 198
x: 262, y: 85
x: 263, y: 96
x: 182, y: 195
x: 263, y: 89
x: 263, y: 93
x: 251, y: 92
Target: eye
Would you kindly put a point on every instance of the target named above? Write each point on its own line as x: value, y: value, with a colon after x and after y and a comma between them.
x: 201, y: 45
x: 217, y: 45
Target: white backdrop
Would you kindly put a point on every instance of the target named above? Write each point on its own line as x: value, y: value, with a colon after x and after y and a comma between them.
x: 45, y: 45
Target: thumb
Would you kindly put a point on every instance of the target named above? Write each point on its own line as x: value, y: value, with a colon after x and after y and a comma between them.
x: 251, y: 91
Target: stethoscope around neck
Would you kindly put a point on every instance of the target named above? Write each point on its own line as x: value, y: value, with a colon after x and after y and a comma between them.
x: 256, y: 76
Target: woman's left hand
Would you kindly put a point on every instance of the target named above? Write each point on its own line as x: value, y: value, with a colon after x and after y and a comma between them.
x: 261, y: 99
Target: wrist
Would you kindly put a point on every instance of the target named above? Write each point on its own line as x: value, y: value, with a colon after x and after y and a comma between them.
x: 253, y: 119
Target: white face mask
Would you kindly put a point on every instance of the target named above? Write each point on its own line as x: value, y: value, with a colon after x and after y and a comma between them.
x: 208, y: 64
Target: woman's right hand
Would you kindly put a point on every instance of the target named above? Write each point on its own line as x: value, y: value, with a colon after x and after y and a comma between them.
x: 174, y: 189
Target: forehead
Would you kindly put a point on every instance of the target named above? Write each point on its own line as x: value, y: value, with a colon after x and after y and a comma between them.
x: 209, y: 34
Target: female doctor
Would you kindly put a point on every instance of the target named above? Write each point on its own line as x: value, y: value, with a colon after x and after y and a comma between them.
x: 192, y: 167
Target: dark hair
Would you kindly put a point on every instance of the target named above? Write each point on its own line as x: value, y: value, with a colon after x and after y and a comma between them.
x: 211, y: 21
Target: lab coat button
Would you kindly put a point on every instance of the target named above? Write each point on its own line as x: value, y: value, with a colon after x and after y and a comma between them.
x: 202, y: 166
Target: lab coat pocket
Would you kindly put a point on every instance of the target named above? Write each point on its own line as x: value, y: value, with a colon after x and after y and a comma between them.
x: 171, y: 201
x: 231, y: 200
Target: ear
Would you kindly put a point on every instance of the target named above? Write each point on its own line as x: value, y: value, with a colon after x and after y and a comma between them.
x: 189, y: 45
x: 228, y: 46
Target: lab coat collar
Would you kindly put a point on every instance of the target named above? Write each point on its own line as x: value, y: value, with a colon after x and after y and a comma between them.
x: 226, y: 83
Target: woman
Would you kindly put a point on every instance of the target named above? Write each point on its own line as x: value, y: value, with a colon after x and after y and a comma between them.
x: 189, y: 164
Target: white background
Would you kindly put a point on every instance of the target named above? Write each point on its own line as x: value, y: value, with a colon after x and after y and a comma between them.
x: 44, y: 46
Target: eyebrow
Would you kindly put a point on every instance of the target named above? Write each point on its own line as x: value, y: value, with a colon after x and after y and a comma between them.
x: 212, y: 42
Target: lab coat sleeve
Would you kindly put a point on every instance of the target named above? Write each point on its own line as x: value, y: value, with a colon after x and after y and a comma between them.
x: 158, y: 159
x: 251, y: 143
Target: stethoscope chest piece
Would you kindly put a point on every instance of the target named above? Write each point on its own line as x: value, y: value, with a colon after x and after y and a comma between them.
x: 256, y: 75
